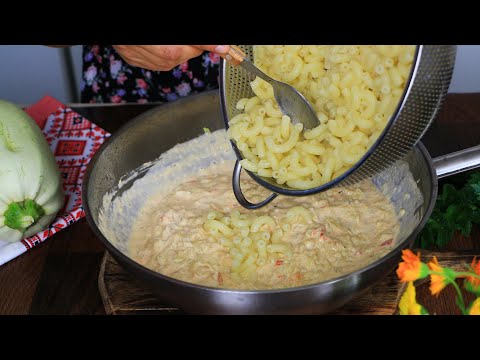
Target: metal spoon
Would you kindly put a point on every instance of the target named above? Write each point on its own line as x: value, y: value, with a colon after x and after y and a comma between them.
x: 290, y: 101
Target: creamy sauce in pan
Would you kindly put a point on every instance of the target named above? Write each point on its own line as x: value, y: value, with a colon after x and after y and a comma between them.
x: 351, y: 227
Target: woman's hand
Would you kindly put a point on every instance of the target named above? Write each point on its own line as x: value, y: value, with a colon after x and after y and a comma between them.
x: 164, y: 57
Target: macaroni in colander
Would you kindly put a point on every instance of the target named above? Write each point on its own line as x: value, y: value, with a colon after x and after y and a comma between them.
x: 354, y: 90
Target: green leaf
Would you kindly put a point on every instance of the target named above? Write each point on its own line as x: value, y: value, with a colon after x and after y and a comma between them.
x: 474, y: 183
x: 465, y: 228
x: 474, y: 178
x: 471, y: 287
x: 449, y: 194
x: 423, y: 311
x: 457, y: 209
x: 459, y: 302
x: 444, y: 237
x: 427, y: 238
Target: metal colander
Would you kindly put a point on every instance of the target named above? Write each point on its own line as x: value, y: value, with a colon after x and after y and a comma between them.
x: 428, y: 84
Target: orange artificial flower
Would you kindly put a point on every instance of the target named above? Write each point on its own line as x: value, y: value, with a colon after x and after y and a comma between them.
x: 408, y: 303
x: 475, y: 308
x: 472, y: 284
x: 411, y: 268
x: 437, y: 281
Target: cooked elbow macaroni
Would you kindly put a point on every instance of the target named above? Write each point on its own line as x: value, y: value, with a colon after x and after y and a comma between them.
x: 254, y: 241
x: 354, y: 90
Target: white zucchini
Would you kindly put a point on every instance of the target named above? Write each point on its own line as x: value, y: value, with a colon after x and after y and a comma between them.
x: 31, y: 190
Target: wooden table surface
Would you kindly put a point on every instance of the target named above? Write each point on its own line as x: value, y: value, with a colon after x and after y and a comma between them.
x: 59, y: 276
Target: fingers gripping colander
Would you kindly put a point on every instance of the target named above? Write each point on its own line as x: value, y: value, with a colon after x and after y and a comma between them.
x: 424, y: 92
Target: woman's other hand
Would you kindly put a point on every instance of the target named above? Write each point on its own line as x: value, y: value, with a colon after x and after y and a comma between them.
x: 164, y: 57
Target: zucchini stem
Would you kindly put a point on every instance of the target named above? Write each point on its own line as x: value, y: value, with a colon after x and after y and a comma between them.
x: 23, y: 214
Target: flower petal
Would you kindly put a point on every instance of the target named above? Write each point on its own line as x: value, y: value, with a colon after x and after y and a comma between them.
x: 441, y: 278
x: 475, y: 307
x: 408, y: 304
x: 411, y: 268
x: 472, y: 284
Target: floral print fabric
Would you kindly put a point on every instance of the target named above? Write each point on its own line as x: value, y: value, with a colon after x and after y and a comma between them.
x: 107, y: 78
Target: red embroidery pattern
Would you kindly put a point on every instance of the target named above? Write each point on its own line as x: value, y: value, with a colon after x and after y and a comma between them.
x: 69, y: 174
x: 74, y: 140
x: 70, y: 147
x: 73, y: 121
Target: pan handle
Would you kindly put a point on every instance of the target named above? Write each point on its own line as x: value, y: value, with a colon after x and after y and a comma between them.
x: 457, y: 162
x: 237, y: 190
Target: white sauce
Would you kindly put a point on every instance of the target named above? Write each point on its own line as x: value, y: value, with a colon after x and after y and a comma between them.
x: 351, y: 227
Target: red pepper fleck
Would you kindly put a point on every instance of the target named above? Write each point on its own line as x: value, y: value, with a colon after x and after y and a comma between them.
x: 388, y: 242
x: 278, y: 262
x: 297, y: 276
x: 220, y: 279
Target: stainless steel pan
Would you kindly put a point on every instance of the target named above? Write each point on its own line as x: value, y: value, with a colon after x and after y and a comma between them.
x: 145, y: 138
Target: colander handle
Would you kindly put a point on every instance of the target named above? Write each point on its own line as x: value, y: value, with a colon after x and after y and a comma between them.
x: 237, y: 190
x: 235, y: 56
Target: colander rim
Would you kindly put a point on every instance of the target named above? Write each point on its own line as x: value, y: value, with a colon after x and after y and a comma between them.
x: 339, y: 179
